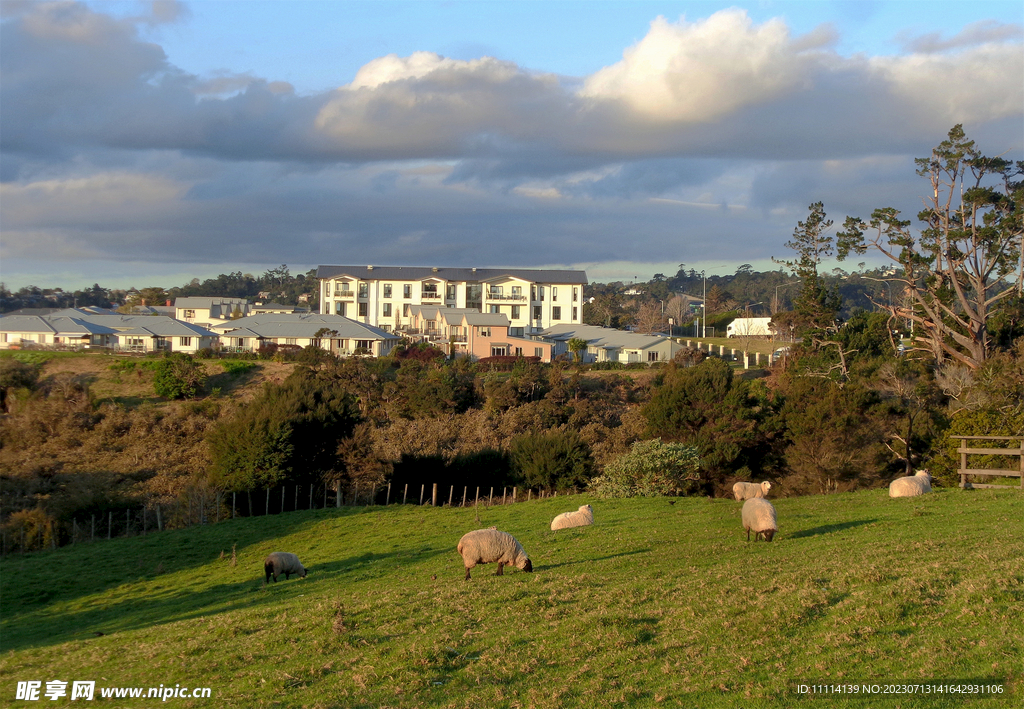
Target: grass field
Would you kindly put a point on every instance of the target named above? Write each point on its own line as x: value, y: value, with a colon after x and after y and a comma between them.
x: 658, y: 604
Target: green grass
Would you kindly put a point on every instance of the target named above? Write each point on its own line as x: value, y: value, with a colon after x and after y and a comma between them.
x: 658, y: 604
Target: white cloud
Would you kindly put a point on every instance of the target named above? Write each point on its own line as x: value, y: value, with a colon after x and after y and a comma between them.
x: 698, y: 71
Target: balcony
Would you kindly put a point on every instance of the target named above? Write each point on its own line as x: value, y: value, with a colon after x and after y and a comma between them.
x: 507, y: 298
x: 430, y: 295
x: 344, y: 294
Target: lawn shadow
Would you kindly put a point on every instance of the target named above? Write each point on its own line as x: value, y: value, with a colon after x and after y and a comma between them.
x: 829, y: 528
x: 589, y: 561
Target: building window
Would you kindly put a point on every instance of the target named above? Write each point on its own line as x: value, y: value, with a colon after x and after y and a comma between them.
x: 533, y: 293
x: 556, y: 313
x: 495, y: 291
x: 340, y: 309
x: 536, y: 312
x: 239, y: 341
x: 494, y: 309
x: 498, y: 351
x: 407, y: 290
x: 575, y: 313
x: 652, y: 356
x: 575, y: 294
x: 190, y: 314
x: 540, y: 293
x: 405, y: 310
x: 519, y: 351
x: 517, y: 291
x: 364, y: 344
x: 554, y: 294
x: 315, y: 342
x: 364, y: 290
x: 449, y: 292
x: 387, y: 310
x: 538, y: 352
x: 515, y: 312
x: 483, y: 331
x: 290, y: 341
x: 387, y: 290
x: 363, y: 309
x: 3, y: 337
x: 185, y: 341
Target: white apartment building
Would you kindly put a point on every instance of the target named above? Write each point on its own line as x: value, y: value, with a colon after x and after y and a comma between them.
x: 383, y: 296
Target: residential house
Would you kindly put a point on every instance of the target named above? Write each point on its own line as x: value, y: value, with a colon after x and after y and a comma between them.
x: 609, y: 345
x: 334, y: 333
x: 206, y: 312
x: 81, y: 328
x: 384, y: 296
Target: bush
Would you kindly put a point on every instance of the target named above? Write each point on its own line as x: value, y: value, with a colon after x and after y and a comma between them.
x: 651, y: 468
x: 555, y: 459
x: 236, y: 367
x: 178, y: 376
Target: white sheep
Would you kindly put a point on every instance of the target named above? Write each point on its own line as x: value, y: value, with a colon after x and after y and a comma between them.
x: 486, y: 546
x: 282, y: 562
x: 749, y: 491
x: 912, y: 485
x: 580, y: 518
x: 759, y: 517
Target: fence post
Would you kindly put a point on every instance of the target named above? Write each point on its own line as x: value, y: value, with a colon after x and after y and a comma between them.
x: 491, y: 496
x: 373, y: 494
x: 464, y: 488
x: 451, y: 494
x: 529, y: 494
x: 266, y: 509
x: 406, y: 493
x: 295, y: 506
x: 93, y: 537
x: 433, y: 496
x: 387, y: 499
x: 110, y: 522
x: 159, y: 520
x: 477, y: 495
x: 514, y: 491
x: 282, y: 498
x: 423, y: 488
x: 503, y: 491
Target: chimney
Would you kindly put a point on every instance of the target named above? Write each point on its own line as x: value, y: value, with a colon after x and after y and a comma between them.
x: 168, y: 302
x: 369, y: 268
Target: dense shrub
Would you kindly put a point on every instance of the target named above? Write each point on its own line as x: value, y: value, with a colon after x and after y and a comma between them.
x: 178, y: 376
x: 651, y: 468
x: 557, y: 459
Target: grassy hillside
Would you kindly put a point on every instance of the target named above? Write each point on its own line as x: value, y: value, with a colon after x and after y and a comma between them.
x: 658, y: 604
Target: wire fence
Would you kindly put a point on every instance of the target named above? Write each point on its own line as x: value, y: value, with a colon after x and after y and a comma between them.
x: 32, y: 530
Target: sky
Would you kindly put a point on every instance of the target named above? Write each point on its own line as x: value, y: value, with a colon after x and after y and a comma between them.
x: 146, y: 144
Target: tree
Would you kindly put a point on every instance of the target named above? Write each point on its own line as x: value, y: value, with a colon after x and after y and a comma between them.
x: 965, y: 259
x: 649, y: 319
x: 577, y: 346
x: 651, y: 468
x: 816, y: 306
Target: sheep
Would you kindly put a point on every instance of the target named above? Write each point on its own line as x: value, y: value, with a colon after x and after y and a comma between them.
x: 484, y: 546
x: 282, y: 562
x: 911, y: 485
x: 749, y: 491
x: 580, y: 518
x: 759, y: 517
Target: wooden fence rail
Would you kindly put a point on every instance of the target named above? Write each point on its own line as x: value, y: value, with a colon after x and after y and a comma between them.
x: 966, y: 449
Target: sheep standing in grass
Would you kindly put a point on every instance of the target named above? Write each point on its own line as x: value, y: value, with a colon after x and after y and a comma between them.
x: 749, y: 491
x: 580, y: 518
x: 282, y: 562
x: 759, y: 517
x: 912, y: 485
x: 487, y: 546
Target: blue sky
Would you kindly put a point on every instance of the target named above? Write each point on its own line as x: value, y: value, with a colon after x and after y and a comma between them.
x: 149, y: 143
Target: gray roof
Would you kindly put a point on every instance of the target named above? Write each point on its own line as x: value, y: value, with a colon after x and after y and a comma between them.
x: 302, y: 325
x: 414, y: 273
x: 167, y: 327
x: 606, y: 337
x: 485, y: 319
x: 206, y: 302
x: 52, y: 324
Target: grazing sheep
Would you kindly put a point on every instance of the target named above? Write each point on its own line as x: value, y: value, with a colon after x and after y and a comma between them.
x: 912, y: 485
x: 485, y: 546
x: 580, y: 518
x: 759, y: 517
x: 749, y: 491
x: 282, y: 562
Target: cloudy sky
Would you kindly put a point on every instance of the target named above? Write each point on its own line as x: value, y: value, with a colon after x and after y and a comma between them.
x: 149, y: 143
